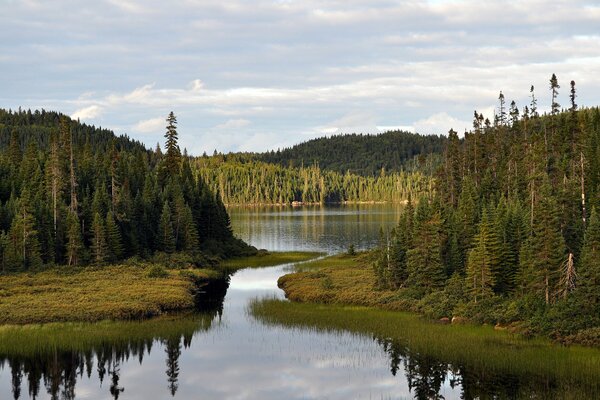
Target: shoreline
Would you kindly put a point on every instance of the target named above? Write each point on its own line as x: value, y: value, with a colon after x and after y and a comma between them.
x: 345, y: 281
x: 304, y: 204
x: 121, y: 292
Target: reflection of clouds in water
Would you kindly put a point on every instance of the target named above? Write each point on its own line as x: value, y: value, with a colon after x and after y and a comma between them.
x: 241, y: 358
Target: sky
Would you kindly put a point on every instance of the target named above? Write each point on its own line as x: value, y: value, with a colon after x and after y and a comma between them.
x: 261, y: 75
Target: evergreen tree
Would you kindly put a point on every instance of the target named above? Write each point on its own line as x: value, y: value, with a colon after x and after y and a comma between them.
x: 99, y: 246
x: 74, y: 240
x: 166, y: 236
x: 554, y: 86
x: 173, y: 154
x: 546, y: 251
x: 114, y: 240
x: 588, y: 281
x: 24, y: 248
x: 483, y: 260
x: 424, y: 262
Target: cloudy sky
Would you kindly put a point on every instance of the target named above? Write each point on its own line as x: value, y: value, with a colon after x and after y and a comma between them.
x: 255, y: 75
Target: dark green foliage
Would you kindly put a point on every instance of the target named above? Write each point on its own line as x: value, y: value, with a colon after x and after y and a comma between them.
x: 240, y: 179
x: 366, y: 155
x: 166, y: 236
x: 512, y: 203
x: 484, y: 260
x: 113, y: 238
x: 424, y: 263
x: 588, y: 280
x: 99, y: 247
x: 74, y: 240
x: 76, y: 194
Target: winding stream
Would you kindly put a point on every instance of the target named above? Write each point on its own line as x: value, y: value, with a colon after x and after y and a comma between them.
x: 226, y: 353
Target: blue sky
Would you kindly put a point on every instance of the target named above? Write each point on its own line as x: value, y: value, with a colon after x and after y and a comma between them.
x: 256, y: 75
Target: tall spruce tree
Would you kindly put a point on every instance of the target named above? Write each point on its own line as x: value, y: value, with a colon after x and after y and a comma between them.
x: 172, y: 152
x: 166, y: 235
x: 424, y: 262
x: 74, y: 240
x: 114, y: 240
x: 484, y: 260
x: 99, y: 246
x: 545, y: 252
x: 588, y: 282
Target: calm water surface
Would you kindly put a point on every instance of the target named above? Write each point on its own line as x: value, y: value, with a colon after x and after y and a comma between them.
x: 231, y: 355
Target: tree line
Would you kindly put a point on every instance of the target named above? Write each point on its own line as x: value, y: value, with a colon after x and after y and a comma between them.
x: 360, y: 154
x: 512, y: 232
x: 241, y: 179
x: 73, y: 194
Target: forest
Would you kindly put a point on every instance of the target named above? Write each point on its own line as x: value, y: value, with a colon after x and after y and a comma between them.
x: 241, y: 179
x: 73, y: 194
x: 360, y: 154
x: 511, y: 234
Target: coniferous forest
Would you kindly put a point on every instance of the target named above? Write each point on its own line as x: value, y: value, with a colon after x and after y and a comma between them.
x: 241, y: 179
x: 512, y: 232
x: 72, y: 194
x: 365, y: 155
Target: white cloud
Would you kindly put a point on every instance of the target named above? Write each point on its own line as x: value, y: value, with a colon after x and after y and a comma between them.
x: 295, y: 69
x: 150, y: 125
x: 440, y: 124
x: 232, y: 124
x: 85, y: 113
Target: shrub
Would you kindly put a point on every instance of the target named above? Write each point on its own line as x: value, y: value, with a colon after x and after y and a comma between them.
x: 351, y: 250
x: 156, y: 271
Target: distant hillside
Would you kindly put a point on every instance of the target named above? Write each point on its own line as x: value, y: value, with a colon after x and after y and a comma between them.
x: 360, y: 154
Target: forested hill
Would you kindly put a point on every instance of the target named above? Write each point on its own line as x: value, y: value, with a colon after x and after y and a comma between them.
x: 75, y: 194
x: 361, y: 154
x: 512, y: 231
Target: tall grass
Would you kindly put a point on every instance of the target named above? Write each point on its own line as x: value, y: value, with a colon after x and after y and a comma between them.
x: 114, y: 292
x: 570, y: 371
x: 42, y: 339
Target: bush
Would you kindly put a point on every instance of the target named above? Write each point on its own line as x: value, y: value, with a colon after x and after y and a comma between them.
x: 156, y: 271
x: 351, y: 250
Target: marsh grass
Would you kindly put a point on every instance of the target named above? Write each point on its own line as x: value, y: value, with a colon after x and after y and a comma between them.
x: 339, y: 279
x: 94, y: 294
x: 41, y: 339
x: 269, y: 259
x: 573, y: 369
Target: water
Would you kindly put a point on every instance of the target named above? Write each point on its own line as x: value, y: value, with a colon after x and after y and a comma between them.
x: 225, y: 353
x: 314, y: 228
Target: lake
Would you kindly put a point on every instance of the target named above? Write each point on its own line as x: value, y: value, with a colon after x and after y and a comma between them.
x: 226, y: 353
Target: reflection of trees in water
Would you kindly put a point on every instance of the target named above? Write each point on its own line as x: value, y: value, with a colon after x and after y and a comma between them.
x: 426, y: 375
x: 173, y: 349
x: 60, y: 369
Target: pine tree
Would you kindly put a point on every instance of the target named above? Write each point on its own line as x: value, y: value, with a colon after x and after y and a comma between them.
x: 483, y: 260
x: 173, y: 154
x: 55, y: 178
x: 166, y: 236
x: 545, y: 253
x: 589, y: 270
x: 74, y: 240
x: 424, y: 262
x: 113, y: 238
x: 99, y: 245
x: 189, y: 231
x: 14, y: 149
x: 554, y: 86
x: 24, y: 244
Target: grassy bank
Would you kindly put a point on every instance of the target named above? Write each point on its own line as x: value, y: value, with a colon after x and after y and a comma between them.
x: 88, y: 294
x: 339, y: 279
x: 39, y: 339
x: 269, y: 259
x: 574, y: 372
